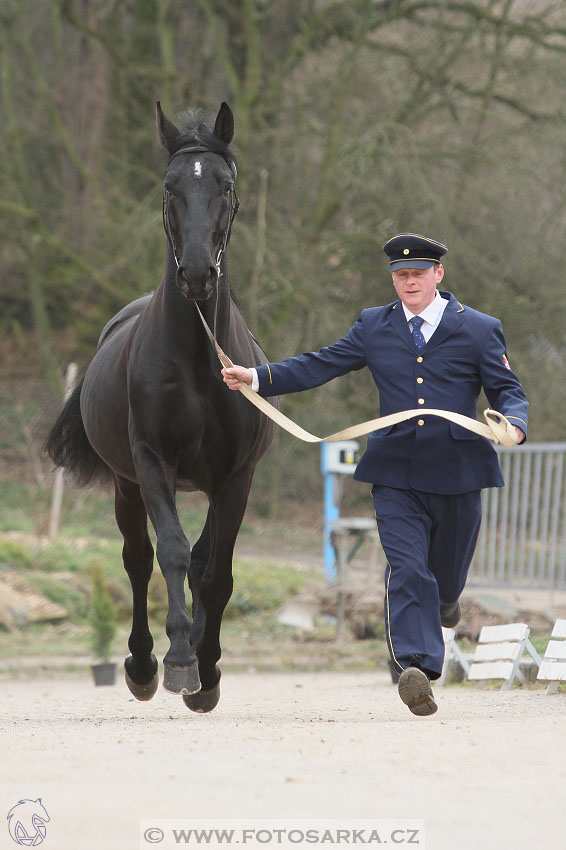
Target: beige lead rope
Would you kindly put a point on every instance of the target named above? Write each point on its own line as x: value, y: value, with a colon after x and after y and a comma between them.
x: 497, y: 429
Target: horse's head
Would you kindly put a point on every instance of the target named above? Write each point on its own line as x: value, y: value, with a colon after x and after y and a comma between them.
x: 199, y: 200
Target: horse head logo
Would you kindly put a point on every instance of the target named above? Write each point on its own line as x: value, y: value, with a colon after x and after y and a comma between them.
x: 26, y: 822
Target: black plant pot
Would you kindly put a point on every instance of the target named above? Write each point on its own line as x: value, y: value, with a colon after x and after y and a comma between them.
x: 104, y: 674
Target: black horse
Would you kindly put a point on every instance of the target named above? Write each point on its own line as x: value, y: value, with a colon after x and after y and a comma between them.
x: 153, y: 413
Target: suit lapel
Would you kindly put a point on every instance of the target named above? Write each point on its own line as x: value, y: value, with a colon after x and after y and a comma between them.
x: 400, y: 324
x: 450, y: 323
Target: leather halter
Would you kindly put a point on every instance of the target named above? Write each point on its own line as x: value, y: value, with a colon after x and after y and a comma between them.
x: 234, y: 206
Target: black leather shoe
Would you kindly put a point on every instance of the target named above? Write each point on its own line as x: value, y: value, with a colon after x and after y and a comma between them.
x: 450, y: 614
x: 416, y: 692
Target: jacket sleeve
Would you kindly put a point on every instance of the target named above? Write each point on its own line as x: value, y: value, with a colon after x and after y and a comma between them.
x: 314, y: 367
x: 502, y: 387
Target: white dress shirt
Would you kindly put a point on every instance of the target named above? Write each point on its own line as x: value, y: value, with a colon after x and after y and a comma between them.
x: 431, y: 317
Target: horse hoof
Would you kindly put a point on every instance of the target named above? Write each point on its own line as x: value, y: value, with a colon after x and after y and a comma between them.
x: 181, y: 680
x: 204, y: 701
x: 143, y: 691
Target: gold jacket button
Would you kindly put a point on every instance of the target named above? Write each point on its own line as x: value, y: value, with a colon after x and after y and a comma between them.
x: 420, y: 422
x: 421, y: 400
x: 420, y: 380
x: 419, y: 359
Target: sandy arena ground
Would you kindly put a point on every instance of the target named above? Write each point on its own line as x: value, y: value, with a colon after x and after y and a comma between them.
x: 487, y: 771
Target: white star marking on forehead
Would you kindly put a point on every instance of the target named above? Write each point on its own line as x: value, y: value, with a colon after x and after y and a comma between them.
x: 198, y: 169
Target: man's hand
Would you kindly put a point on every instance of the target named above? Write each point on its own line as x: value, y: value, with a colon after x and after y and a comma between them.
x: 520, y: 434
x: 235, y: 376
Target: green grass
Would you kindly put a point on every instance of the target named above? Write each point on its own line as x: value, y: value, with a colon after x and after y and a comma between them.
x: 90, y: 514
x: 61, y: 570
x: 46, y: 640
x: 539, y: 643
x: 70, y: 594
x: 262, y: 586
x: 61, y: 555
x: 251, y: 635
x: 15, y: 556
x: 18, y: 507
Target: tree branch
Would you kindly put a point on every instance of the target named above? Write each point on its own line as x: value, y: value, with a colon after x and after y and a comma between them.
x: 33, y: 218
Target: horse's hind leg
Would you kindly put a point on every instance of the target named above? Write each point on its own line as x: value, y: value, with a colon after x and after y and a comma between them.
x: 200, y: 557
x: 142, y: 677
x: 215, y: 587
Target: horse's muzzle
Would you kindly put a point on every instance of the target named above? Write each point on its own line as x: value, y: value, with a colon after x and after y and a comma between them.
x: 197, y: 288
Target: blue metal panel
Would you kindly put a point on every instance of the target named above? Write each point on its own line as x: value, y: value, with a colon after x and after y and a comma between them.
x: 336, y: 459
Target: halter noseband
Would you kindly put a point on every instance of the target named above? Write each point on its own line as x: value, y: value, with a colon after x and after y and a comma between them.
x: 234, y: 207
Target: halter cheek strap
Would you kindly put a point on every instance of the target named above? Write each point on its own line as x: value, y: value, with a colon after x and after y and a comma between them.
x: 234, y: 207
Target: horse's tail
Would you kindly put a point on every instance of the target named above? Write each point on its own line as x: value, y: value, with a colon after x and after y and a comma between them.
x: 68, y: 446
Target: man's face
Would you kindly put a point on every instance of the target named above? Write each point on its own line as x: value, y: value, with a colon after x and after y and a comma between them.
x: 417, y: 287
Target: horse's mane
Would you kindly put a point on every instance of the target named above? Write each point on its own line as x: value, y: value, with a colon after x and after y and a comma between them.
x: 196, y: 129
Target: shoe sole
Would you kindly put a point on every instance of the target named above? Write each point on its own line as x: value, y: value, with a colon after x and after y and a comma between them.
x: 451, y: 620
x: 416, y: 692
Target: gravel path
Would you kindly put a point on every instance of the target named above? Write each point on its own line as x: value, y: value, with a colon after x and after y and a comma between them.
x: 487, y: 771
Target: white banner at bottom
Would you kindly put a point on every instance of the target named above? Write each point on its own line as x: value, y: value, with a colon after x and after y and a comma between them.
x: 254, y: 833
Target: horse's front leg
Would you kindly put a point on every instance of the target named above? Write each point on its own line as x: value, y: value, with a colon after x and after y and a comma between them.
x: 142, y: 677
x: 157, y: 484
x: 215, y: 586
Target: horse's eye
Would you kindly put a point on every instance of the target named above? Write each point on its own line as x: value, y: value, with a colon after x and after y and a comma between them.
x: 227, y: 189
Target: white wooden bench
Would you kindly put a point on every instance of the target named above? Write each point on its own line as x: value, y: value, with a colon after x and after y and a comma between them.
x: 553, y: 667
x: 499, y: 654
x: 452, y: 652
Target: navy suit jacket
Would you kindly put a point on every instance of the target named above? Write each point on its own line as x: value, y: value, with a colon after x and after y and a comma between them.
x: 465, y: 353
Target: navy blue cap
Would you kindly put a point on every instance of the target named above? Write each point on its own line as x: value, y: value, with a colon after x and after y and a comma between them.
x: 412, y: 251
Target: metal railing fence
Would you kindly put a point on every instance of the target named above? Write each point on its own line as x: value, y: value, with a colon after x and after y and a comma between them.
x: 522, y: 541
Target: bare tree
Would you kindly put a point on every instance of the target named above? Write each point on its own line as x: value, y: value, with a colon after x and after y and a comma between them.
x: 369, y: 116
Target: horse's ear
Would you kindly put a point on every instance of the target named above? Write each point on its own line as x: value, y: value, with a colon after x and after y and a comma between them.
x: 168, y: 133
x: 224, y: 125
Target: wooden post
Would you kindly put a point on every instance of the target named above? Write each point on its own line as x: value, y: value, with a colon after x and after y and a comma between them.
x: 57, y: 496
x: 338, y: 540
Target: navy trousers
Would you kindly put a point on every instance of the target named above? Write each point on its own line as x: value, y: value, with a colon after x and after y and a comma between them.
x: 428, y: 540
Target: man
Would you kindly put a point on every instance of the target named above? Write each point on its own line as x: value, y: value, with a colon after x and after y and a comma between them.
x: 426, y: 349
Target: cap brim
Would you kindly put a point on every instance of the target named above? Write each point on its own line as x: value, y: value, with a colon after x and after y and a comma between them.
x: 412, y: 264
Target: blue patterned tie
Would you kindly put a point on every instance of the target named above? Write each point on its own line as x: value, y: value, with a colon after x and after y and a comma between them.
x: 418, y: 337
